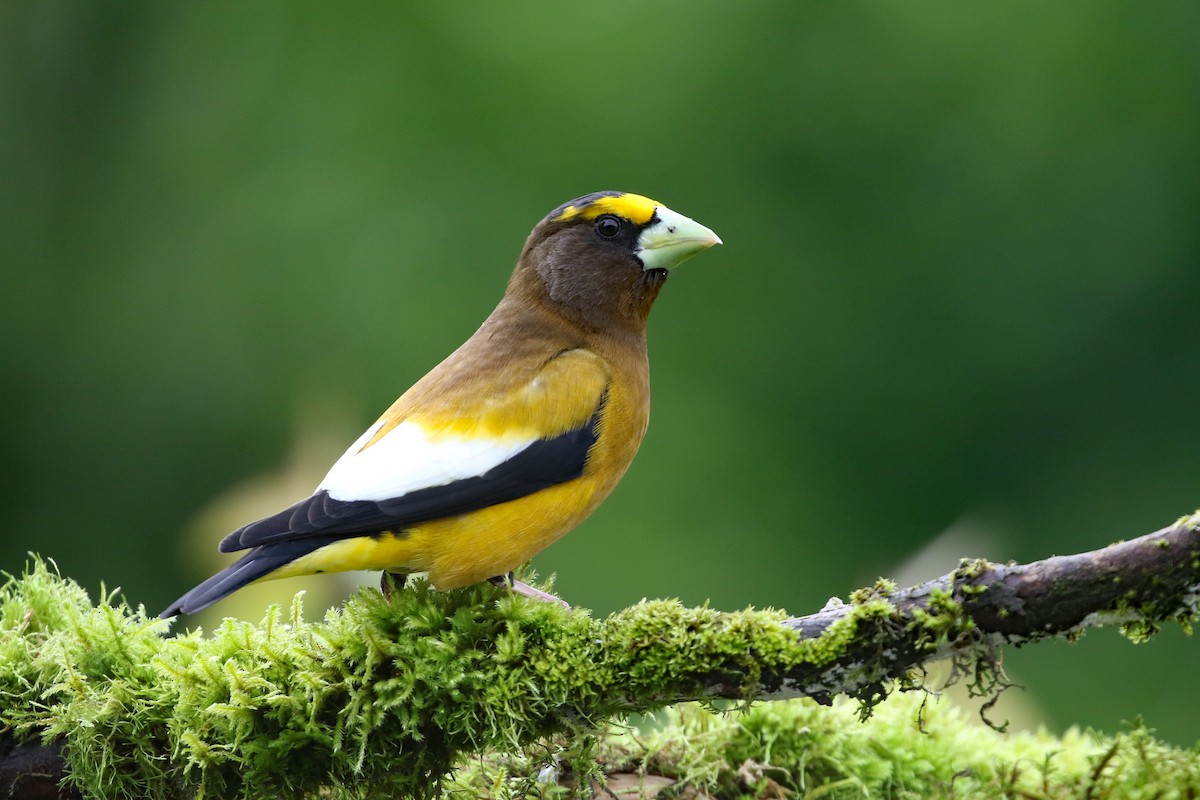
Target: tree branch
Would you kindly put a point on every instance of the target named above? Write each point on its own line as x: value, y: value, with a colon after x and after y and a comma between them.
x: 33, y: 771
x: 1138, y: 584
x: 1153, y: 578
x: 388, y: 695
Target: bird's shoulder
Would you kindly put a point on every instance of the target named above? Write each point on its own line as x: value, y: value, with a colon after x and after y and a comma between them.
x: 531, y: 393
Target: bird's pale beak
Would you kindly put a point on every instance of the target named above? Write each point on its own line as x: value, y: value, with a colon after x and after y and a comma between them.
x: 671, y: 238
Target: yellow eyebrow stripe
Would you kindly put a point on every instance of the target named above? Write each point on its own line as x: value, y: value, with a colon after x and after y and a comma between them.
x: 633, y: 207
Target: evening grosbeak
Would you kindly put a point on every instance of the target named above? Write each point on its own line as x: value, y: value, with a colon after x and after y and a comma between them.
x: 511, y: 441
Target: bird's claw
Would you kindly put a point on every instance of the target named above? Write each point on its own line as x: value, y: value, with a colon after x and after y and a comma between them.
x: 390, y: 582
x: 522, y: 588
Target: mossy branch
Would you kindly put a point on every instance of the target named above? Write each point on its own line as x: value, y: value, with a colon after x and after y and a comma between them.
x: 981, y: 606
x: 385, y: 698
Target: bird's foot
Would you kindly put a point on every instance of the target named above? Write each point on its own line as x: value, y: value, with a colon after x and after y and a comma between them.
x: 391, y: 582
x: 522, y: 588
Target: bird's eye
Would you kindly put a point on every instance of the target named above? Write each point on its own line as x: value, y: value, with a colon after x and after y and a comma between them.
x: 608, y: 226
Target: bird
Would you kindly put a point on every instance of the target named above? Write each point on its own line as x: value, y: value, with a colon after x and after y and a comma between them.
x: 511, y: 441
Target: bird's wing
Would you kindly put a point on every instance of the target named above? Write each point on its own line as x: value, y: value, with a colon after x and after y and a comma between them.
x: 454, y: 452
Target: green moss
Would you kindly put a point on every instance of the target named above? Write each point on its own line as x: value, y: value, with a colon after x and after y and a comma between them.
x: 476, y: 689
x: 382, y: 696
x: 881, y: 589
x: 943, y: 620
x: 1139, y: 631
x: 969, y: 570
x: 797, y: 748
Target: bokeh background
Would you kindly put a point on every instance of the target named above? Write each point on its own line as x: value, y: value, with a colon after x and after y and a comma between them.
x: 955, y: 314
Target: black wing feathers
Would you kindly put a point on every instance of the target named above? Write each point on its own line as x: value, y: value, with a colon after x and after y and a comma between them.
x: 544, y: 463
x: 258, y: 562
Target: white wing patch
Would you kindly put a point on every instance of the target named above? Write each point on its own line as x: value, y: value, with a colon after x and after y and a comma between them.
x: 407, y: 459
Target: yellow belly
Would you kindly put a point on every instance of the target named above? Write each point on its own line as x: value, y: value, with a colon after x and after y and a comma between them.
x: 459, y: 551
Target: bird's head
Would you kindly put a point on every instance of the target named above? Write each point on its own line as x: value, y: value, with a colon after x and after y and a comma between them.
x: 602, y: 258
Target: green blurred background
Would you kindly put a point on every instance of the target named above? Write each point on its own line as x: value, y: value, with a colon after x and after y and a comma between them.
x: 954, y: 314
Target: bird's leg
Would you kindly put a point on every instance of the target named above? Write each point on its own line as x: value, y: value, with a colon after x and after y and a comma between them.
x: 391, y: 581
x: 507, y: 581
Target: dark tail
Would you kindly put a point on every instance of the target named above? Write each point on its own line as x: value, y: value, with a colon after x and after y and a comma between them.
x: 258, y: 562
